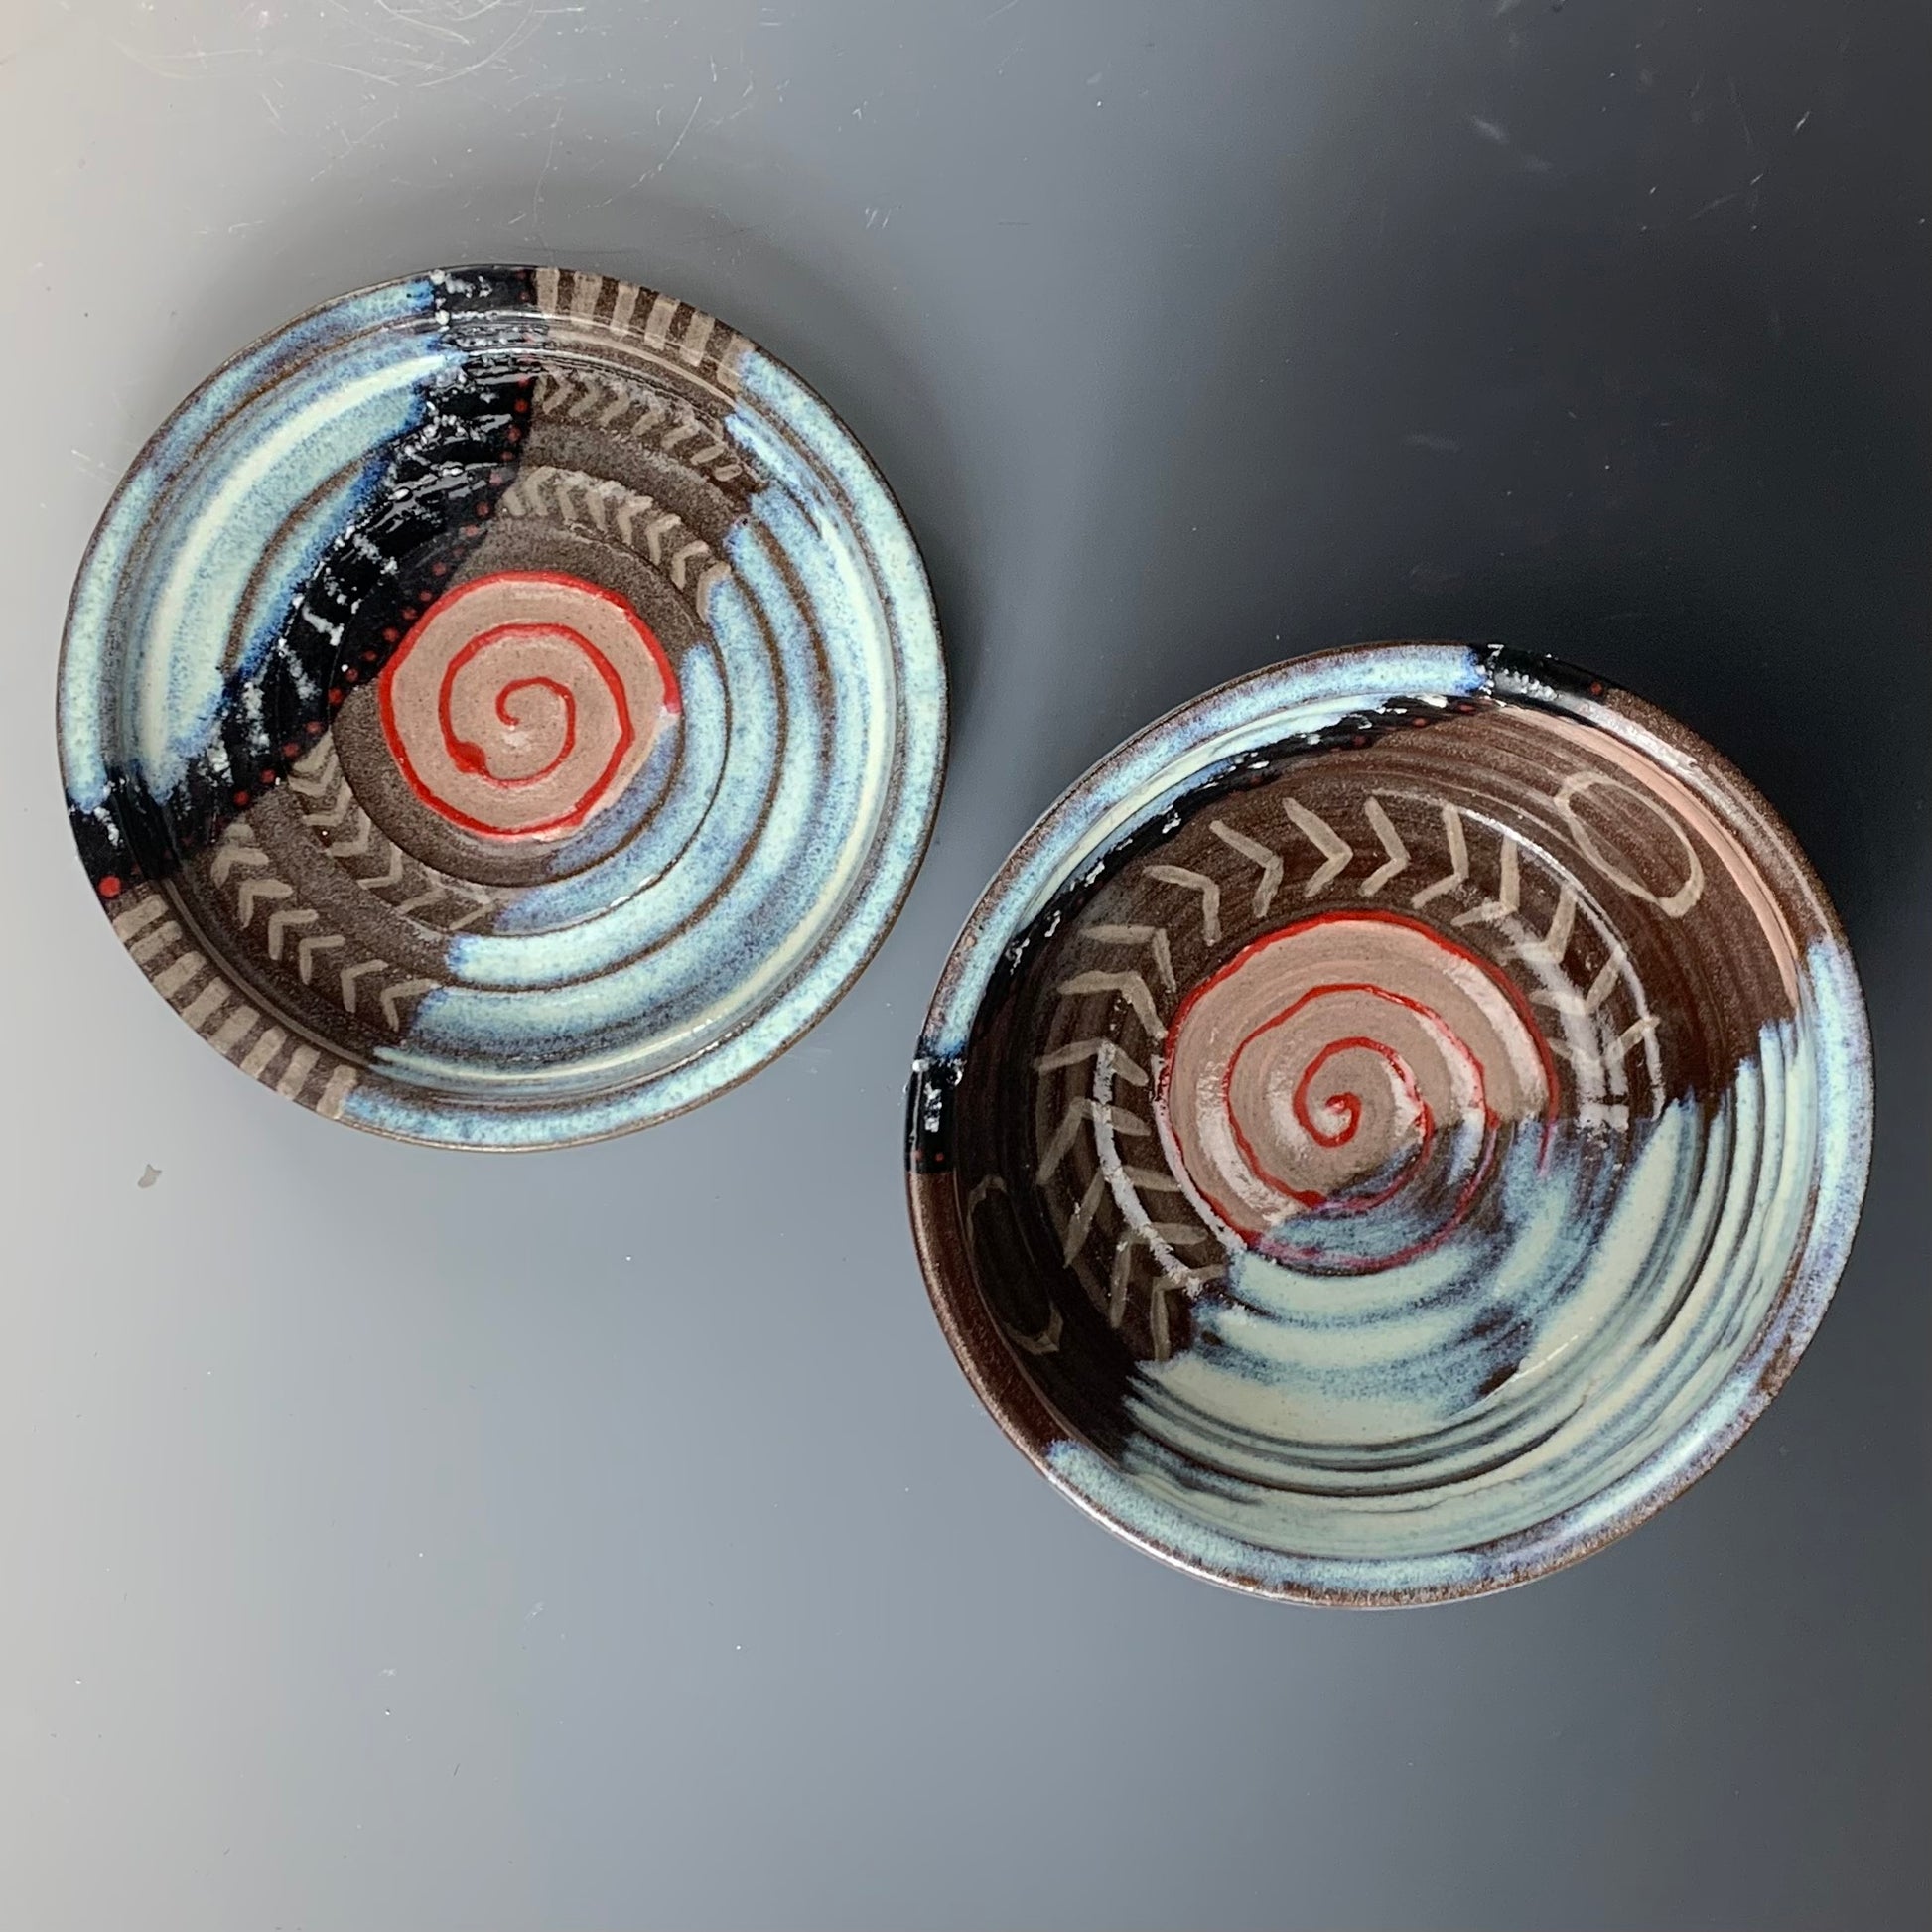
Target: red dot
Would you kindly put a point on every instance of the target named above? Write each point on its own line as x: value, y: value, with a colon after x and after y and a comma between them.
x: 499, y: 478
x: 111, y: 886
x: 391, y: 634
x: 241, y: 798
x: 483, y: 509
x: 520, y: 405
x: 512, y: 434
x: 438, y: 570
x: 351, y: 674
x: 268, y: 777
x: 313, y: 727
x: 470, y: 530
x: 292, y: 747
x: 335, y: 694
x: 368, y: 657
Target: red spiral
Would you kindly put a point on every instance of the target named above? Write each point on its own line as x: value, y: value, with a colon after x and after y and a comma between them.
x: 1331, y: 1065
x: 522, y: 701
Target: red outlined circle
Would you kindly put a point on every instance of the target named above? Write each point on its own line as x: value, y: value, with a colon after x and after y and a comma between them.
x: 606, y: 680
x: 1334, y: 1131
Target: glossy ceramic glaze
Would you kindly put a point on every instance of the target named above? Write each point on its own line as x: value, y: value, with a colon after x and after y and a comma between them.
x: 502, y: 707
x: 1392, y: 1125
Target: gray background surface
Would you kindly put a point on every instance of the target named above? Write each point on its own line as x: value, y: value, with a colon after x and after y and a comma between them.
x: 403, y: 1540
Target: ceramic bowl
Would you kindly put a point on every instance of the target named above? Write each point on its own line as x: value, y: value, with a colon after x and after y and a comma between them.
x: 1391, y: 1126
x: 501, y: 708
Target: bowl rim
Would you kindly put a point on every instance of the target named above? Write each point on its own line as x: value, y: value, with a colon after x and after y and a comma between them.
x: 919, y: 753
x: 1028, y: 878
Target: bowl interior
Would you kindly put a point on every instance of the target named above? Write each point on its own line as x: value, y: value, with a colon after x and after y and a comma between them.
x: 1392, y: 1125
x: 515, y: 694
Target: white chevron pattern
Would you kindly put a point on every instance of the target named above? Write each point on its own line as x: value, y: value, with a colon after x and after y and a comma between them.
x: 279, y: 924
x: 1131, y: 987
x: 1117, y: 1120
x: 1390, y: 839
x: 1109, y: 1200
x: 640, y: 522
x: 1335, y: 851
x: 295, y: 931
x: 251, y: 891
x: 1195, y: 882
x: 1548, y: 951
x: 1510, y: 889
x: 1256, y: 854
x: 1078, y: 1051
x: 1458, y: 855
x: 1153, y: 937
x: 640, y: 416
x: 327, y: 804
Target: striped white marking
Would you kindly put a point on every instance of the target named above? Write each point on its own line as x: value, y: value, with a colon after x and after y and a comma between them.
x: 205, y: 1004
x: 697, y: 332
x: 342, y: 1083
x: 263, y: 1051
x: 294, y: 1076
x: 138, y: 918
x: 235, y: 1029
x: 658, y: 325
x: 158, y: 940
x: 180, y: 974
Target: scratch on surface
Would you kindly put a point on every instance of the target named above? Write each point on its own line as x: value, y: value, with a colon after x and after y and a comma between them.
x: 1743, y: 120
x: 1441, y: 445
x: 351, y: 142
x: 1490, y: 130
x: 549, y: 155
x: 1711, y: 206
x: 651, y: 174
x: 184, y: 65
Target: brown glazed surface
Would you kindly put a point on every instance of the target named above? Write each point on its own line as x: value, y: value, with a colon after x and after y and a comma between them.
x: 1385, y: 1161
x: 545, y: 735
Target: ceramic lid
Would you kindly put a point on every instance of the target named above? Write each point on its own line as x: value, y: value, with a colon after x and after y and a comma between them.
x: 501, y: 708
